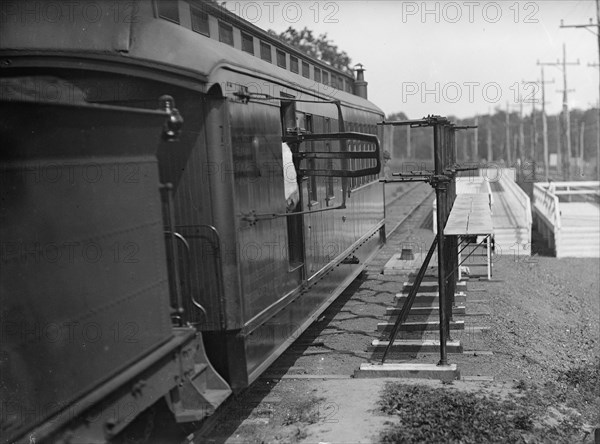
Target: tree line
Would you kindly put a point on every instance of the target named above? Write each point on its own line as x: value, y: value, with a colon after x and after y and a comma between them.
x: 489, y: 142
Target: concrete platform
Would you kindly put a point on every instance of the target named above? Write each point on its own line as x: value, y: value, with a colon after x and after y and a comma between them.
x: 419, y: 345
x: 396, y: 265
x: 409, y: 370
x: 420, y: 326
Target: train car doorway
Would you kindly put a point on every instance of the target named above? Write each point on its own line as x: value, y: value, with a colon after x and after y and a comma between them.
x: 295, y: 223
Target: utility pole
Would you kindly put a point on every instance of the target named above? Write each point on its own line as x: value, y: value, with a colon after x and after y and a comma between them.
x: 581, y: 146
x: 519, y: 139
x: 490, y: 155
x: 508, y: 156
x: 597, y: 33
x: 598, y: 142
x: 558, y: 150
x: 566, y: 126
x: 475, y: 153
x: 534, y: 134
x: 521, y: 154
x: 544, y: 124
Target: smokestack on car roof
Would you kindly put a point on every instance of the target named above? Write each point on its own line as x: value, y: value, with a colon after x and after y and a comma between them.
x: 360, y: 86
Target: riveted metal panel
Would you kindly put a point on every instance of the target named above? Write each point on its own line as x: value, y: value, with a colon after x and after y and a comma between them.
x: 83, y: 283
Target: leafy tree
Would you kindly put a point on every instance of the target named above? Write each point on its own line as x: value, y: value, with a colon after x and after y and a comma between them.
x: 319, y: 47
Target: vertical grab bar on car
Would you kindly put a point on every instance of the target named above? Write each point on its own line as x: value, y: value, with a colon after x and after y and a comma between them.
x: 219, y: 267
x: 215, y: 242
x: 167, y: 190
x: 186, y: 272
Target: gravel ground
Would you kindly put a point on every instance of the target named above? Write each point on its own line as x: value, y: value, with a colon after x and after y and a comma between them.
x: 545, y: 316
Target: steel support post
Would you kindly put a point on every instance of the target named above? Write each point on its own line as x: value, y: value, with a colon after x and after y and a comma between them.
x: 440, y: 195
x: 450, y: 245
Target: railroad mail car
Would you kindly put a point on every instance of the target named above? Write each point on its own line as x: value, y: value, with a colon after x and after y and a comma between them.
x: 149, y: 247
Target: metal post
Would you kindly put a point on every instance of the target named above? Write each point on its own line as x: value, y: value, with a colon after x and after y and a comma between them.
x: 545, y: 130
x: 440, y: 194
x: 489, y: 257
x: 507, y: 124
x: 451, y: 244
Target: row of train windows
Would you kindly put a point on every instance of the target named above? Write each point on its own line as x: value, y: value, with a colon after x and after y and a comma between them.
x: 355, y: 164
x: 169, y: 10
x: 295, y: 65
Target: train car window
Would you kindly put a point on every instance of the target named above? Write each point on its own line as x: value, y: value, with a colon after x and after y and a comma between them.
x: 317, y: 75
x: 294, y: 64
x: 247, y: 43
x: 168, y: 10
x: 199, y: 21
x: 313, y: 196
x: 226, y: 33
x: 288, y: 114
x: 349, y: 88
x: 265, y: 52
x: 352, y: 147
x: 330, y: 193
x: 305, y: 69
x: 281, y: 62
x: 364, y: 128
x: 325, y: 78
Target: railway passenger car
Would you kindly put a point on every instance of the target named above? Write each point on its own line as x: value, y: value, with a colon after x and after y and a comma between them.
x: 148, y: 250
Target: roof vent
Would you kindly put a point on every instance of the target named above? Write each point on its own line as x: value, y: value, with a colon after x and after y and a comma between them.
x: 360, y: 86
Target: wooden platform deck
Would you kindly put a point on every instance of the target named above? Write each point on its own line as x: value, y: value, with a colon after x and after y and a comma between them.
x: 511, y: 215
x: 510, y: 210
x: 470, y: 215
x: 580, y: 214
x: 568, y: 216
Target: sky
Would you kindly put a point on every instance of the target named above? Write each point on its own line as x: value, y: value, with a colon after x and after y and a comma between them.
x: 452, y: 58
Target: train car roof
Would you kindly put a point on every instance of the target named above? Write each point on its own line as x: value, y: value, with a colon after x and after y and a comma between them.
x: 204, y: 55
x: 156, y: 44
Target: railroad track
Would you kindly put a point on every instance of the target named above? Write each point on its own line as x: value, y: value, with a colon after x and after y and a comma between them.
x: 415, y: 197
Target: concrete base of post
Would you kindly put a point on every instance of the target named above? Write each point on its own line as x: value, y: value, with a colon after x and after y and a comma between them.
x: 409, y: 370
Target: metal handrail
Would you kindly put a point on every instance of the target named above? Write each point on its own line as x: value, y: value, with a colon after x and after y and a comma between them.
x: 219, y: 264
x: 412, y: 295
x: 186, y: 273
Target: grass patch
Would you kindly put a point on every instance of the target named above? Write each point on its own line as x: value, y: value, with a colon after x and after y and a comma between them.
x: 444, y: 414
x: 305, y: 411
x: 579, y: 387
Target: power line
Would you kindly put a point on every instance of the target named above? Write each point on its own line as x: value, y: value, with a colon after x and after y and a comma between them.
x: 542, y: 83
x: 597, y: 33
x: 566, y: 127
